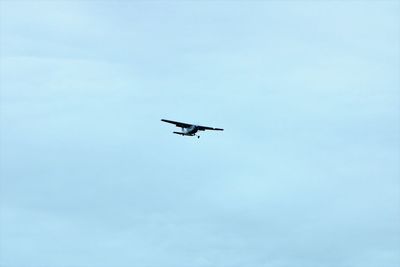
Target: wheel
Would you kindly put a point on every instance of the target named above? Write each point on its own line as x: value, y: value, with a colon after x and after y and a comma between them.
x: 198, y: 136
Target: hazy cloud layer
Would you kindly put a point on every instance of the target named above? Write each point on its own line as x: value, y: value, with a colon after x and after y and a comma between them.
x: 305, y: 174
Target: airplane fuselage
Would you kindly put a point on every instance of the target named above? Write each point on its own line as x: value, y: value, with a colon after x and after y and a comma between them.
x: 192, y: 130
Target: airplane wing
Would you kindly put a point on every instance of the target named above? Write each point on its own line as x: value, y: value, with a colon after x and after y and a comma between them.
x: 178, y: 124
x: 203, y: 128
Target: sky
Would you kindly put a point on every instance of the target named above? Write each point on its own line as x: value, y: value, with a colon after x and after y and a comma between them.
x: 306, y: 172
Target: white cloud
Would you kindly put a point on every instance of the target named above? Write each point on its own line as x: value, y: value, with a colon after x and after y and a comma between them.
x: 305, y: 174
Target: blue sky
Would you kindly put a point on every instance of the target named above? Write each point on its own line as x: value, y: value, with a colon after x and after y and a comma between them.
x: 306, y: 172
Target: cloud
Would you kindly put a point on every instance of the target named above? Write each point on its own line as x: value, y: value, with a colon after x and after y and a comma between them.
x: 305, y: 173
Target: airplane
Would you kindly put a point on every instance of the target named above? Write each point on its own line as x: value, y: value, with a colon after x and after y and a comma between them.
x: 190, y: 129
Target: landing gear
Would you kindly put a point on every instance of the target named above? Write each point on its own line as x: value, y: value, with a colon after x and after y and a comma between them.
x: 198, y: 136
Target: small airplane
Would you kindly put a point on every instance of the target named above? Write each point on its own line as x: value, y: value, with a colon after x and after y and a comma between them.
x: 190, y: 129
